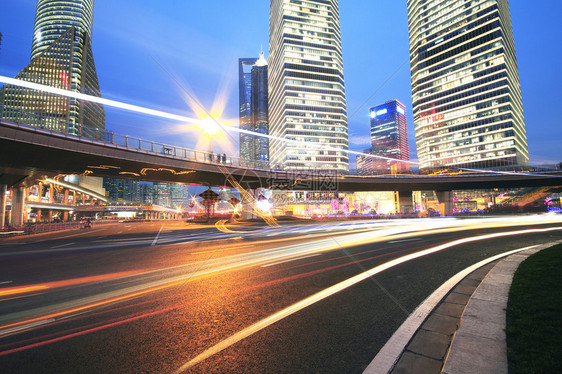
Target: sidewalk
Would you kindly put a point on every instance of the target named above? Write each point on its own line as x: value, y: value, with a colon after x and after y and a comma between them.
x: 460, y: 328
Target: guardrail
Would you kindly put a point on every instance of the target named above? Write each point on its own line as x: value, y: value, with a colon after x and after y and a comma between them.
x: 36, y: 122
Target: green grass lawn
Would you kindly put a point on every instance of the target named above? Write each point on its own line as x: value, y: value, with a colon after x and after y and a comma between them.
x: 534, y: 315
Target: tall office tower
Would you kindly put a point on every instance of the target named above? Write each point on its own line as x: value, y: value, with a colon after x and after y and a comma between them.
x: 306, y: 85
x: 245, y: 98
x: 467, y: 102
x: 389, y: 137
x: 254, y: 108
x: 61, y: 58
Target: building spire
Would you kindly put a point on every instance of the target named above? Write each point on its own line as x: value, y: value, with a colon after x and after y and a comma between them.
x: 261, y: 60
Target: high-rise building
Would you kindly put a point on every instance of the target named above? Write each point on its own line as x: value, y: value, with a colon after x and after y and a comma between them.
x: 245, y: 99
x: 62, y: 58
x: 254, y: 108
x: 306, y: 85
x: 466, y: 95
x: 389, y: 138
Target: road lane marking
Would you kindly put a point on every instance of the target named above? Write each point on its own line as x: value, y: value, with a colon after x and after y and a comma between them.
x: 319, y: 296
x: 62, y: 245
x: 6, y: 282
x: 157, y: 236
x: 291, y: 259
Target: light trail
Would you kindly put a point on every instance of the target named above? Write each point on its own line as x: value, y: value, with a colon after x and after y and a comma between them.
x: 184, y: 119
x: 65, y: 283
x: 95, y: 99
x: 260, y: 325
x: 242, y: 261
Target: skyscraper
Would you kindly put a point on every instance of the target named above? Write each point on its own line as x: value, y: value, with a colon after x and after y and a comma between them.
x: 254, y: 108
x: 62, y: 58
x: 389, y: 139
x: 306, y: 85
x: 466, y: 95
x: 245, y: 99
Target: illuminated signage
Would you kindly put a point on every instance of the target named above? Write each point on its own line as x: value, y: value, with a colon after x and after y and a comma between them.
x: 400, y: 110
x: 381, y: 112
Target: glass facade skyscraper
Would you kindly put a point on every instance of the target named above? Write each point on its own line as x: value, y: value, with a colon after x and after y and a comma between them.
x: 254, y: 108
x: 62, y: 58
x: 389, y: 138
x: 466, y: 95
x: 306, y: 85
x: 245, y: 98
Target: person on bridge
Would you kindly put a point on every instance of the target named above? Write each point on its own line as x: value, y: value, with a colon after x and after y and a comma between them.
x: 224, y: 158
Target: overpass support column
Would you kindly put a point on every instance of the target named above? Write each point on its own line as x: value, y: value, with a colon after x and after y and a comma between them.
x: 446, y: 201
x: 3, y: 189
x: 248, y: 205
x: 405, y: 202
x: 18, y: 197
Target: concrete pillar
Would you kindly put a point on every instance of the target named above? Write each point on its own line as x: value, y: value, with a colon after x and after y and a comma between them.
x: 65, y: 197
x: 446, y: 202
x: 18, y: 197
x: 38, y: 215
x: 3, y: 189
x: 50, y: 216
x: 405, y: 202
x: 65, y: 216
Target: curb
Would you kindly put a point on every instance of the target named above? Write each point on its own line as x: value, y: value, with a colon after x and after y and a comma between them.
x: 396, y: 347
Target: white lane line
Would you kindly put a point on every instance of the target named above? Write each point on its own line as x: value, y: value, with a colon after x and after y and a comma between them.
x: 405, y: 240
x: 319, y: 296
x: 157, y: 236
x: 62, y: 245
x: 289, y: 260
x: 6, y: 282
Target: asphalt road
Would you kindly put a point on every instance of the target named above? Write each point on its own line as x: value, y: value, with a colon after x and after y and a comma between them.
x: 172, y: 297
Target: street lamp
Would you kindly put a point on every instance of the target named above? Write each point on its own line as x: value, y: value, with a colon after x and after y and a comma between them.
x: 210, y: 127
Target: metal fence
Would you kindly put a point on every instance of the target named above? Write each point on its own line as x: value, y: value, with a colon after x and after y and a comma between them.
x: 59, y: 127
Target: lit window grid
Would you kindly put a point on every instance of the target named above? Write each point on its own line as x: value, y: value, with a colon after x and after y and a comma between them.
x: 292, y: 55
x: 521, y: 140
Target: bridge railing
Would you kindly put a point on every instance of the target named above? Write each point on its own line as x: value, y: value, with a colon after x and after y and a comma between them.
x: 52, y: 125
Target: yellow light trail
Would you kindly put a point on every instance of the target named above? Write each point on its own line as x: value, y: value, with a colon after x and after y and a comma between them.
x: 64, y: 283
x: 260, y: 325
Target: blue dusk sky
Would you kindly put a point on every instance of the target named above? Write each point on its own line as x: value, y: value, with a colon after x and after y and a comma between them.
x: 143, y: 47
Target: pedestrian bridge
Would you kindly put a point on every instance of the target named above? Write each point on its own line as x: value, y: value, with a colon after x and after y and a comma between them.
x: 29, y: 153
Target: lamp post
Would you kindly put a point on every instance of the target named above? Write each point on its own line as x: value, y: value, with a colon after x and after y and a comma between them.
x: 210, y: 127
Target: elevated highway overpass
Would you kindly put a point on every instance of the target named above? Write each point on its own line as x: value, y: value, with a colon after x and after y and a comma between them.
x: 28, y: 153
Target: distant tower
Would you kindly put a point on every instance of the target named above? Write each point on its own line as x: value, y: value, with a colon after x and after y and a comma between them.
x: 62, y: 58
x: 306, y: 85
x: 254, y: 108
x: 389, y: 138
x: 245, y: 98
x: 467, y: 104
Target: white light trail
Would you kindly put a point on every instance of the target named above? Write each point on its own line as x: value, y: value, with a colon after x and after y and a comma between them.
x: 184, y: 119
x: 95, y: 99
x: 260, y: 325
x: 161, y: 114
